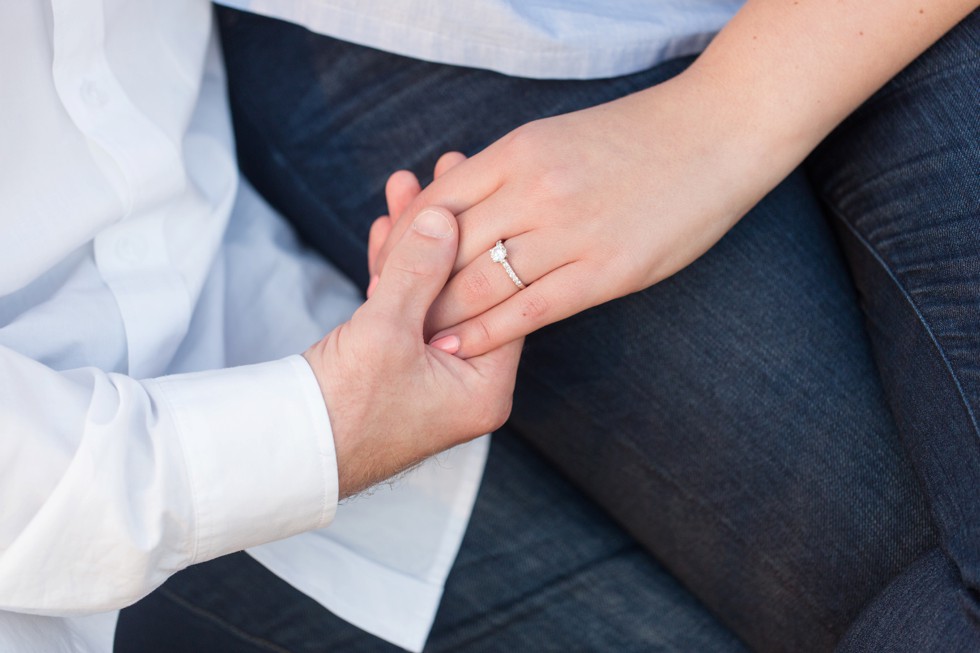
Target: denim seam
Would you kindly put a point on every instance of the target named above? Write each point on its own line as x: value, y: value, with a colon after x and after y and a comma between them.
x: 922, y: 320
x: 222, y: 623
x: 794, y: 588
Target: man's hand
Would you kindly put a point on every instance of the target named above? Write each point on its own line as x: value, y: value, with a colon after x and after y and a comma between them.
x: 392, y: 399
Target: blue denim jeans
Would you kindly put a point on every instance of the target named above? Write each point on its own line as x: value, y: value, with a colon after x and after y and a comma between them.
x: 777, y: 447
x: 536, y: 557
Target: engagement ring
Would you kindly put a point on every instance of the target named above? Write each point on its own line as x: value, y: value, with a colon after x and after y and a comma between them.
x: 498, y: 254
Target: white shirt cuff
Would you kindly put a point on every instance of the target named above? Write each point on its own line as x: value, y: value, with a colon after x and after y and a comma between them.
x: 258, y: 450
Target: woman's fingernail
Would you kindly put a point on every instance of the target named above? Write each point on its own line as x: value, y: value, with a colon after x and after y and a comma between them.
x: 370, y: 288
x: 448, y: 344
x: 433, y: 224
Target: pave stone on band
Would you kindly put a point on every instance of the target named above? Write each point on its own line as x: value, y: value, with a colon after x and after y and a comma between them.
x: 498, y: 254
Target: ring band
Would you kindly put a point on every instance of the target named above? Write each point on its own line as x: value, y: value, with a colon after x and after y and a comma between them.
x: 498, y: 254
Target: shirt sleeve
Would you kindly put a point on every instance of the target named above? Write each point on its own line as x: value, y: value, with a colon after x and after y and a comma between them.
x: 108, y: 485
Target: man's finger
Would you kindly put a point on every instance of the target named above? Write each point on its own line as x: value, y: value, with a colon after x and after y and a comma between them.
x: 497, y: 371
x: 401, y: 188
x: 417, y: 268
x: 462, y: 186
x: 499, y: 363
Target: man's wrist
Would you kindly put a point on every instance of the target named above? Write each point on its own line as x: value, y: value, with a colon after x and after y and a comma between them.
x: 358, y: 466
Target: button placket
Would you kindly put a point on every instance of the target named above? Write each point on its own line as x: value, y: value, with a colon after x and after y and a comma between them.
x: 93, y: 94
x: 131, y: 250
x: 153, y: 301
x: 143, y: 164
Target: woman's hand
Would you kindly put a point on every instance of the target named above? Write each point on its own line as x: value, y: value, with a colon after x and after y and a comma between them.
x: 591, y: 205
x: 606, y: 201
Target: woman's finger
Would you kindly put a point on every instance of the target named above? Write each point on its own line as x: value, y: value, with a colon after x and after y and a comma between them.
x: 553, y: 297
x: 485, y: 282
x: 501, y: 216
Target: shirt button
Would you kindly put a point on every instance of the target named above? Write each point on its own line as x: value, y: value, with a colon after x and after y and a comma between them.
x: 93, y: 94
x: 131, y: 249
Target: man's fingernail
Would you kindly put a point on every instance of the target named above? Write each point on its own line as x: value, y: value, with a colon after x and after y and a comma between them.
x: 433, y: 224
x: 448, y: 344
x: 370, y: 288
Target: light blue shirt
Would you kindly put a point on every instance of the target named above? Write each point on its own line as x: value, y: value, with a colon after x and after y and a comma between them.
x: 546, y: 39
x: 154, y: 412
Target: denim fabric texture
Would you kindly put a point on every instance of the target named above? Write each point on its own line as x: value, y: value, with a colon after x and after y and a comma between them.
x: 901, y: 179
x: 561, y: 557
x: 784, y: 433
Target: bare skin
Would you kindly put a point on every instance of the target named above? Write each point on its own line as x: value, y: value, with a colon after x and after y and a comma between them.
x: 607, y: 201
x: 392, y: 399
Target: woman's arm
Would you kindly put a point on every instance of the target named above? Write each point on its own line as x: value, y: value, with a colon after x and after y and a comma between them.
x: 796, y: 68
x: 607, y: 201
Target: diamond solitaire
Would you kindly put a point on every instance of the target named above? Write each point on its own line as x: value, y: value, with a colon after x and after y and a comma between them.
x: 498, y: 254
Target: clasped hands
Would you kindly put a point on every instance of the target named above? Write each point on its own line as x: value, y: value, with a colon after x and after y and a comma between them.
x: 592, y: 205
x: 392, y: 399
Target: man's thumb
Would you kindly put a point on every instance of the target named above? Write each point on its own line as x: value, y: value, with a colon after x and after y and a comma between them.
x: 417, y: 267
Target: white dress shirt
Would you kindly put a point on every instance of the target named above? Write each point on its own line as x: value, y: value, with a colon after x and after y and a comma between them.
x: 550, y: 39
x: 153, y: 410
